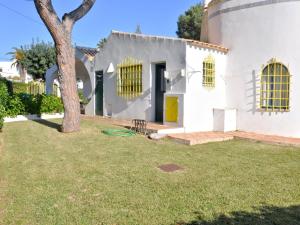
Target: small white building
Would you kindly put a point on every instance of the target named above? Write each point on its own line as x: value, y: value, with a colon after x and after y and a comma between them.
x: 242, y: 75
x: 160, y: 79
x: 10, y: 71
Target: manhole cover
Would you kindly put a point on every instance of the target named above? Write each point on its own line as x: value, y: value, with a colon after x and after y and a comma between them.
x: 169, y: 168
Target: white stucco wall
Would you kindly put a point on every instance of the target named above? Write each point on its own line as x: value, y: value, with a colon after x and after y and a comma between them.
x: 8, y: 70
x: 150, y: 51
x: 256, y: 31
x: 199, y: 100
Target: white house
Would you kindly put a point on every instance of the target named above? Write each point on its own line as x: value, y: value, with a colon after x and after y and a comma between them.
x: 262, y: 72
x: 242, y: 75
x: 10, y: 71
x: 160, y: 79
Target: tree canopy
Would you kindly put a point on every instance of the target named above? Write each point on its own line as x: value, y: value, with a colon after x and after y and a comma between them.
x: 138, y: 29
x: 189, y: 23
x: 101, y: 43
x: 36, y: 58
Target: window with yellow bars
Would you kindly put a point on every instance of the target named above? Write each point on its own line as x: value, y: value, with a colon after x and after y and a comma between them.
x: 209, y: 72
x: 275, y: 87
x: 129, y: 78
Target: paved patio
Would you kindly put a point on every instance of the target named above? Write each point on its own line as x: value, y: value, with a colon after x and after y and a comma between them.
x: 204, y: 137
x: 201, y: 137
x: 272, y: 139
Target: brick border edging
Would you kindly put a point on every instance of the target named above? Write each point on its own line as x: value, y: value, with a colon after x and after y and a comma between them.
x: 278, y: 143
x: 234, y: 137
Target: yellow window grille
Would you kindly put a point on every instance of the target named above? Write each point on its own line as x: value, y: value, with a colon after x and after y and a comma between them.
x: 209, y: 72
x: 129, y: 78
x: 275, y: 87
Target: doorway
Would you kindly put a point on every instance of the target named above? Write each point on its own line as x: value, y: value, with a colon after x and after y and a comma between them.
x: 99, y: 93
x: 160, y: 90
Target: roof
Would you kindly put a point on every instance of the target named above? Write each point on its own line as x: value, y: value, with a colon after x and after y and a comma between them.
x: 91, y: 52
x: 188, y: 41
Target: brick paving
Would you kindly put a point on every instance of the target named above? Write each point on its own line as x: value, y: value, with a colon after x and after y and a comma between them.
x: 272, y: 139
x: 204, y: 137
x: 201, y: 137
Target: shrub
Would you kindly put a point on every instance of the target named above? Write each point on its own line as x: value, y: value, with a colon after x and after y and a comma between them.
x: 15, y: 106
x: 2, y: 115
x: 50, y: 104
x: 30, y: 102
x: 7, y: 83
x: 4, y: 95
x: 82, y: 98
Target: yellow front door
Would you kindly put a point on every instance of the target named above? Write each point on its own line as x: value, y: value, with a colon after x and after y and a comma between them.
x: 172, y: 109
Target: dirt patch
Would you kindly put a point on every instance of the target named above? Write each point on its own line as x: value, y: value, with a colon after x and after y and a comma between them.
x: 170, y: 168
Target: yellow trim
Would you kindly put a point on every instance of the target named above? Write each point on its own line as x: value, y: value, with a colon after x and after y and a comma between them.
x: 129, y: 78
x: 209, y: 73
x: 275, y: 87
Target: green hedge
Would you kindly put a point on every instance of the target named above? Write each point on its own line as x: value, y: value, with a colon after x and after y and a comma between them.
x: 21, y: 103
x: 4, y: 94
x: 15, y: 106
x: 50, y: 104
x: 7, y: 83
x: 2, y: 115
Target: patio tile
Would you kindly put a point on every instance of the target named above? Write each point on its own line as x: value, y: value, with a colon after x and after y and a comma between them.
x: 206, y: 137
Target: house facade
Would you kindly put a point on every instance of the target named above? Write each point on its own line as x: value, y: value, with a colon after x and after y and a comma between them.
x: 154, y: 78
x: 262, y: 72
x: 242, y: 75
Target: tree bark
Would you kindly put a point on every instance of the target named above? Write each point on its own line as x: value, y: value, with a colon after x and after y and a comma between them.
x: 61, y: 32
x: 23, y: 73
x: 68, y: 87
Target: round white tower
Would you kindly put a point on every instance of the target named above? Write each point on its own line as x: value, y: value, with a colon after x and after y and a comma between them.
x: 256, y: 31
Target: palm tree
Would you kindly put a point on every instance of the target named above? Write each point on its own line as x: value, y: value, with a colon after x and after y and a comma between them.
x: 18, y: 56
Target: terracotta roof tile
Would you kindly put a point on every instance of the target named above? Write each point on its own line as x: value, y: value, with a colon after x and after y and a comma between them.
x: 87, y: 51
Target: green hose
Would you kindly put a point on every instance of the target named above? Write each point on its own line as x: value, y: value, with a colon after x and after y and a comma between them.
x: 118, y: 133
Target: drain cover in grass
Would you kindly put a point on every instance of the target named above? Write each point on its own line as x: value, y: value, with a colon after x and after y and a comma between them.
x: 169, y: 168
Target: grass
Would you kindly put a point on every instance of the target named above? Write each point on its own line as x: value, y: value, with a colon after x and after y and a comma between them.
x: 89, y: 178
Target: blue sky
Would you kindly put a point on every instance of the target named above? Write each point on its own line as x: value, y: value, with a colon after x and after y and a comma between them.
x: 158, y: 17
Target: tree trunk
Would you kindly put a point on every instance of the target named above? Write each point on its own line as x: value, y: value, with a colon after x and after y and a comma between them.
x: 23, y: 72
x: 61, y: 32
x: 68, y: 87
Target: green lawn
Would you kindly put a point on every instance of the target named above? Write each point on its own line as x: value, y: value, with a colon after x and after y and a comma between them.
x: 88, y: 178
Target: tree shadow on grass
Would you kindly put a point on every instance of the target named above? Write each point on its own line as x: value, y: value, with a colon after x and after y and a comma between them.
x: 265, y: 215
x: 50, y: 124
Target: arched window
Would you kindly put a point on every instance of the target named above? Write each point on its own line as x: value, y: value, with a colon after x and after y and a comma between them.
x: 129, y: 78
x: 209, y: 72
x: 275, y: 87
